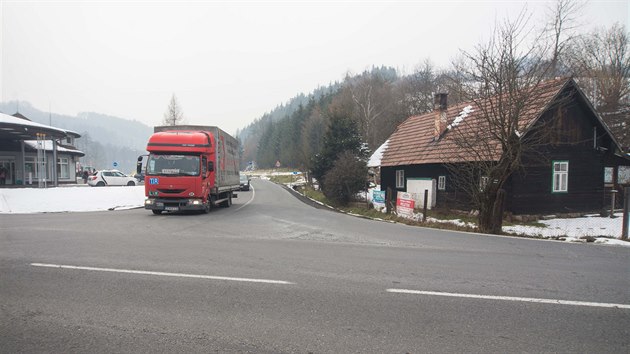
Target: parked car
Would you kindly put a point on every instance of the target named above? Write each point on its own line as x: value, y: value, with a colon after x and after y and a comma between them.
x: 111, y: 178
x: 244, y: 182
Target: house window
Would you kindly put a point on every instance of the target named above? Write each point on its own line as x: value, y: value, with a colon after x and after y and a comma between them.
x: 63, y: 169
x: 483, y: 182
x: 560, y: 181
x: 442, y: 183
x: 400, y: 178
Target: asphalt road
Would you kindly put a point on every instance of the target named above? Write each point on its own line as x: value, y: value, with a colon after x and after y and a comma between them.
x: 272, y: 275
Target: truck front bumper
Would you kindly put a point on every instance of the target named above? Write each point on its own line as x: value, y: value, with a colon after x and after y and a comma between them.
x: 183, y: 204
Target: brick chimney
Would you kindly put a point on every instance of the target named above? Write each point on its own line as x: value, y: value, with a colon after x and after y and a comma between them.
x: 439, y: 108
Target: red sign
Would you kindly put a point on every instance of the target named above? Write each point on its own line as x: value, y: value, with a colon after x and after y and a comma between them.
x: 405, y: 204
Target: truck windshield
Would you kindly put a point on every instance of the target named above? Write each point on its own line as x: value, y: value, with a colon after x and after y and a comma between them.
x: 173, y: 165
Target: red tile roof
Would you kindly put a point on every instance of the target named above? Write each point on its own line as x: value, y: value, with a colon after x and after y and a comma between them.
x: 414, y: 140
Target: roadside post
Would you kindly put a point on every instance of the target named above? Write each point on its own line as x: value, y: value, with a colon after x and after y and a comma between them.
x: 613, y: 193
x: 426, y: 201
x: 626, y: 211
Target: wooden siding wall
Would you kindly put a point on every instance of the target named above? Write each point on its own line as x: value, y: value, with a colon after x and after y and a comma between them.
x: 530, y: 191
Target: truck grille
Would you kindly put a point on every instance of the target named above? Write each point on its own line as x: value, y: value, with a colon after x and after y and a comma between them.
x: 171, y: 191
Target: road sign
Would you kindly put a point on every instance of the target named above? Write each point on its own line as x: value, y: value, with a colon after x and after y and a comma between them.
x: 115, y: 164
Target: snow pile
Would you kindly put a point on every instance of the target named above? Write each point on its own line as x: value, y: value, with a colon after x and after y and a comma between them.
x: 377, y: 156
x: 460, y: 117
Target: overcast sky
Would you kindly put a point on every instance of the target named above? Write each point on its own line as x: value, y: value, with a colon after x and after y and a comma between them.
x: 230, y: 62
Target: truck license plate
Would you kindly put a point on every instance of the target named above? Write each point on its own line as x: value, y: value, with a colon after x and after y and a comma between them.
x: 171, y: 208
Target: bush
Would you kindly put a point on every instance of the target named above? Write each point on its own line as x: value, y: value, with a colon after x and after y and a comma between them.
x: 345, y: 179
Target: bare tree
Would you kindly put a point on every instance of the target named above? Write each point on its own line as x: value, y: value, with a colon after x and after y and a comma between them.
x: 561, y: 27
x: 174, y: 114
x: 416, y: 90
x: 372, y: 94
x: 503, y: 80
x: 601, y: 60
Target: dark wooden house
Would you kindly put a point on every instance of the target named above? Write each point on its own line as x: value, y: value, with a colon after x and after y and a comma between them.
x: 573, y: 171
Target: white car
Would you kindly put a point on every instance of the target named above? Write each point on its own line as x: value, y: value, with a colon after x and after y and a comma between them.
x: 110, y: 178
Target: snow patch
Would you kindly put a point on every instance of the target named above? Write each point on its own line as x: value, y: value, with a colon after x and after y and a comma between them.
x: 377, y: 156
x: 460, y: 117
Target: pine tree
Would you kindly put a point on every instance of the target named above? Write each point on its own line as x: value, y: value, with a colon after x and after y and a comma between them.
x: 342, y: 135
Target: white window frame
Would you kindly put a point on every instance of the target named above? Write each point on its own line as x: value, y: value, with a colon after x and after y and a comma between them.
x: 560, y: 177
x: 483, y: 182
x: 441, y: 183
x: 400, y: 178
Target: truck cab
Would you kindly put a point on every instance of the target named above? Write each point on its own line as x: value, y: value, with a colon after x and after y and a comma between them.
x: 186, y: 171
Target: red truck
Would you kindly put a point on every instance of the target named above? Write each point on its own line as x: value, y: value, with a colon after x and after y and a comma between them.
x: 190, y: 168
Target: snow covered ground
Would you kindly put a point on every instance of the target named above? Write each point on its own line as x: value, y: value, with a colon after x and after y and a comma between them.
x: 74, y: 198
x: 81, y: 198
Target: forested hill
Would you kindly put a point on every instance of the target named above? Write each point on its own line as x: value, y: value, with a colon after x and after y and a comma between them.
x: 377, y: 100
x: 104, y: 138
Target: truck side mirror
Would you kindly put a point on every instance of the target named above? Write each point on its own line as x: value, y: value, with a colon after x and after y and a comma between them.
x: 210, y: 166
x: 139, y: 165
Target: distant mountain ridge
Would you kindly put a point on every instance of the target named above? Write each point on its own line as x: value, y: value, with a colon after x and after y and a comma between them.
x: 100, y: 127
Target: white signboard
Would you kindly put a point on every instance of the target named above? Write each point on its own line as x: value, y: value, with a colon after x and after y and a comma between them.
x: 623, y: 175
x: 608, y: 174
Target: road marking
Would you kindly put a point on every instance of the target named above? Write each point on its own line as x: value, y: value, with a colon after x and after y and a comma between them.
x: 510, y: 298
x: 145, y: 272
x: 250, y: 199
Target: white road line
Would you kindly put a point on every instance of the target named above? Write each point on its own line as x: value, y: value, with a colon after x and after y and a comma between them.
x: 250, y: 199
x: 144, y: 272
x: 510, y: 298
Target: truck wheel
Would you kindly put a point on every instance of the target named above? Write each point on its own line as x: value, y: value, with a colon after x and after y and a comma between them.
x: 228, y: 201
x: 157, y: 212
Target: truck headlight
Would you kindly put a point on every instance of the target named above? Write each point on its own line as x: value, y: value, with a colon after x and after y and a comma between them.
x: 194, y: 201
x: 148, y: 202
